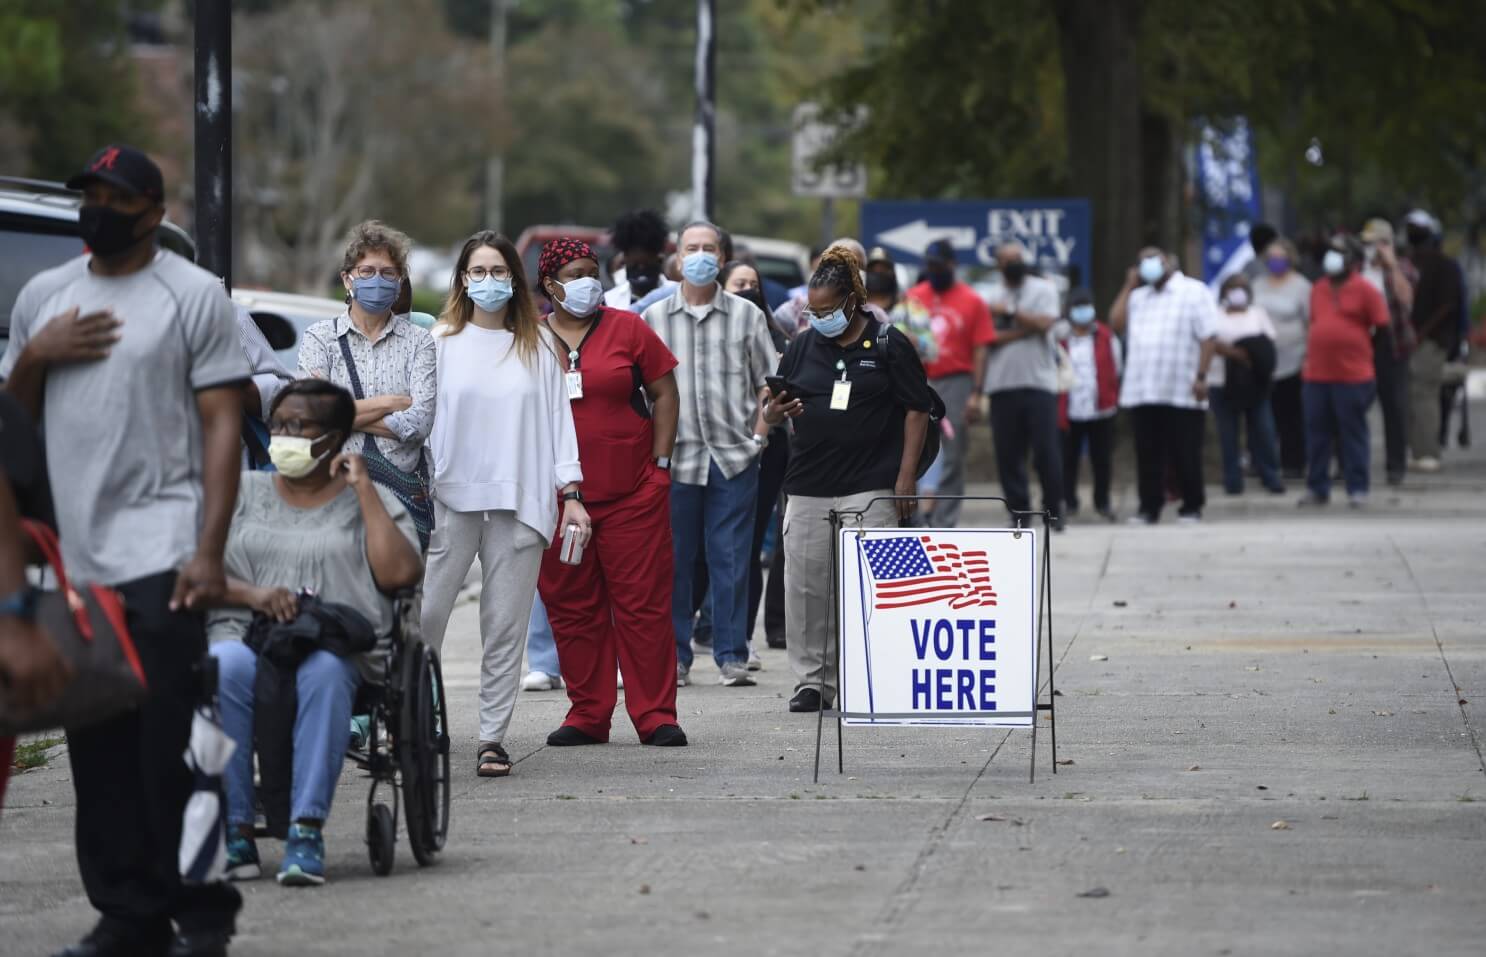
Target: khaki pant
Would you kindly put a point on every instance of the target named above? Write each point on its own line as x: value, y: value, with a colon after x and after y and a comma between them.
x: 809, y: 599
x: 1426, y: 370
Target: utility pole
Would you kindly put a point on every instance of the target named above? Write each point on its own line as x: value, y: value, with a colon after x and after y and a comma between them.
x: 495, y: 164
x: 214, y: 137
x: 703, y: 138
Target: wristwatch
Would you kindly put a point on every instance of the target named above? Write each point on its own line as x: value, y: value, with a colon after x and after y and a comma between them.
x: 760, y: 440
x: 573, y: 496
x: 663, y: 462
x: 19, y: 604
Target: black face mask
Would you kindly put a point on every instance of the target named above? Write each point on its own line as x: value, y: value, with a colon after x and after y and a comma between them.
x: 1014, y: 272
x: 941, y: 279
x: 108, y: 231
x: 882, y: 284
x: 1419, y: 238
x: 755, y: 296
x: 643, y: 279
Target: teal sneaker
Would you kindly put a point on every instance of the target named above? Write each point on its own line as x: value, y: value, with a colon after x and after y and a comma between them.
x: 304, y: 857
x: 242, y: 859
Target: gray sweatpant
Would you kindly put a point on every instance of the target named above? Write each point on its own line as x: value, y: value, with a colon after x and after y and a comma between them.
x: 955, y: 391
x: 1426, y: 373
x: 809, y: 602
x: 510, y: 556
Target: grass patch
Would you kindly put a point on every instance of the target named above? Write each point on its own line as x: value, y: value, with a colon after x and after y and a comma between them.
x: 33, y: 754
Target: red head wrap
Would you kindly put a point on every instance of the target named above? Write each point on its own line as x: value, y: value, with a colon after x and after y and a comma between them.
x: 559, y: 252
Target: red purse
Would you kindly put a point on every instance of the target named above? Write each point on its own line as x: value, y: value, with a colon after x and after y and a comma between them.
x: 86, y: 623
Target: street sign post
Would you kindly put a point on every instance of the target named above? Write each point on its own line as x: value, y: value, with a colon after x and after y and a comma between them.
x: 813, y: 137
x: 1054, y: 232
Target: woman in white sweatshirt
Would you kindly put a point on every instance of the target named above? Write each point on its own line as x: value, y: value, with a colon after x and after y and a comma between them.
x: 504, y: 448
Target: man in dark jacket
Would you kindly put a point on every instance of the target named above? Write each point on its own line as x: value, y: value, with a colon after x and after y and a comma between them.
x: 1437, y: 305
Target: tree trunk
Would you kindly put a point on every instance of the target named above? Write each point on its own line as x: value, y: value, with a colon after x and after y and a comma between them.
x: 1162, y: 199
x: 1101, y: 79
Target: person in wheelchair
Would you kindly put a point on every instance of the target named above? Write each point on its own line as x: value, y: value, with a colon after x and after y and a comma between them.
x: 318, y: 524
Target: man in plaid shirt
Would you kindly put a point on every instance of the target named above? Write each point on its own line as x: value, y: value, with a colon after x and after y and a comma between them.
x: 1169, y: 321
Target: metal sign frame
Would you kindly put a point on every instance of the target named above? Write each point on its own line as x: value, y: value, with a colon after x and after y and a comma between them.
x: 1043, y: 638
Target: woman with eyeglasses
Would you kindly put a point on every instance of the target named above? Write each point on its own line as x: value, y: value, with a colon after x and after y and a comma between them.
x: 504, y: 450
x: 386, y: 362
x: 615, y: 600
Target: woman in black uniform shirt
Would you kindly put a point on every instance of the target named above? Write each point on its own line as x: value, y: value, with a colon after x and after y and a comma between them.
x: 860, y: 412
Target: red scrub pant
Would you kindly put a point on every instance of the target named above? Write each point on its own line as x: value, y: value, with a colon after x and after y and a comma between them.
x: 617, y: 603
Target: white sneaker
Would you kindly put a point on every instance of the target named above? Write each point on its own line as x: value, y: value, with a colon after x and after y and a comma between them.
x: 1428, y: 464
x: 755, y: 663
x: 735, y: 675
x: 683, y: 675
x: 540, y: 681
x: 1192, y: 519
x: 1357, y: 500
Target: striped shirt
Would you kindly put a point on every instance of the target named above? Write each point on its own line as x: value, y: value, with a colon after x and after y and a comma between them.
x: 401, y: 362
x: 1164, y: 334
x: 724, y: 351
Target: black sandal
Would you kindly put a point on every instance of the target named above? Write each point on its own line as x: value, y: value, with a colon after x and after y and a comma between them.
x: 493, y: 761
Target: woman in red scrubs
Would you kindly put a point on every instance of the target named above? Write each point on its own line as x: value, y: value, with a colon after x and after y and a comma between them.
x: 616, y: 602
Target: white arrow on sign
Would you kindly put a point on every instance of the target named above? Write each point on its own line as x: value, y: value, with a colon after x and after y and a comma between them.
x: 913, y: 238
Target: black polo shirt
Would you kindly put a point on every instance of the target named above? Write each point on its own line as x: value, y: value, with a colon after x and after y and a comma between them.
x: 859, y: 448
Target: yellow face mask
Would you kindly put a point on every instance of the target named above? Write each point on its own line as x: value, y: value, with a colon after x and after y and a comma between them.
x: 292, y: 455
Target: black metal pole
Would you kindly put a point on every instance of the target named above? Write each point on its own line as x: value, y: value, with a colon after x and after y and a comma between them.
x: 703, y: 137
x: 214, y: 137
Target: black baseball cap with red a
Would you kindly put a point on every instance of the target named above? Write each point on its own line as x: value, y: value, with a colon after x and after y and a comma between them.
x: 124, y: 167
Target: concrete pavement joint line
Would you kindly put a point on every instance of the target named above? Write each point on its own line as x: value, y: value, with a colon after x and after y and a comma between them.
x: 904, y: 895
x: 1465, y: 716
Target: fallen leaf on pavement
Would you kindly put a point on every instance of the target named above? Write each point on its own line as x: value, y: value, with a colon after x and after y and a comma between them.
x: 1385, y: 713
x: 1195, y: 767
x: 992, y: 817
x: 1066, y: 761
x: 1280, y: 826
x: 1098, y: 657
x: 644, y: 888
x: 639, y: 840
x: 1095, y: 892
x: 1121, y: 603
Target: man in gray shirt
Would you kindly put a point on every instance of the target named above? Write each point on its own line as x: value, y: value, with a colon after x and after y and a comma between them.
x: 130, y: 358
x: 1022, y: 380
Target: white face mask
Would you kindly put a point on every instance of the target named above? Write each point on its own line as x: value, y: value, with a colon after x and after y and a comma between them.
x: 1334, y: 263
x: 1237, y: 298
x: 1152, y: 268
x: 581, y: 296
x: 292, y: 455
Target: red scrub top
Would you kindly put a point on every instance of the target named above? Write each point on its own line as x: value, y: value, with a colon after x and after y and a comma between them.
x: 618, y: 354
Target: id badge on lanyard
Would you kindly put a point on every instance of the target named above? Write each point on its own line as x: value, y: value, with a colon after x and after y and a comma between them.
x: 840, y: 390
x: 573, y: 377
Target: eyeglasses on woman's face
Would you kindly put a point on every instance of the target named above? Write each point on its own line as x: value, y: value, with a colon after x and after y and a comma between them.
x: 388, y: 273
x: 478, y: 273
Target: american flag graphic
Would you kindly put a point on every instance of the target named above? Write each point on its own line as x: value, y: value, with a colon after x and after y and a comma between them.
x: 908, y: 571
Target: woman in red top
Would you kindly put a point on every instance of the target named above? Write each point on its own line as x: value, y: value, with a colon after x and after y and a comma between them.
x: 1338, y: 372
x: 617, y: 600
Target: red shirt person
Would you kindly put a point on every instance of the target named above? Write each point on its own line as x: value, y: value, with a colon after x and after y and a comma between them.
x: 962, y: 326
x: 1339, y: 378
x: 616, y: 601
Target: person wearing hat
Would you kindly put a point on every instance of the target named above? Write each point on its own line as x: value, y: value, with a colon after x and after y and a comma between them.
x: 130, y: 356
x: 504, y: 451
x: 1394, y: 343
x: 962, y: 328
x: 1340, y: 382
x: 616, y: 600
x: 1439, y: 304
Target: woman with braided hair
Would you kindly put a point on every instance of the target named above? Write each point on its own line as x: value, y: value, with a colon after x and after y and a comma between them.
x: 860, y: 403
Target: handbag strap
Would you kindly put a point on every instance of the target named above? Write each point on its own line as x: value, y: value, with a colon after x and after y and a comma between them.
x: 51, y: 551
x: 368, y: 441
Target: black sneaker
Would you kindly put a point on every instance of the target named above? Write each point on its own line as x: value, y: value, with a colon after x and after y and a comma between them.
x: 201, y: 943
x: 108, y: 940
x: 667, y: 736
x: 569, y: 736
x: 806, y: 699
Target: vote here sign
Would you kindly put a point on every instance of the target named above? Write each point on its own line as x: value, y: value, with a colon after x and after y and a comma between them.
x: 938, y: 626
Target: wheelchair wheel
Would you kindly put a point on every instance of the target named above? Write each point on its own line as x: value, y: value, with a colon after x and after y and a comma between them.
x: 381, y: 836
x: 423, y: 744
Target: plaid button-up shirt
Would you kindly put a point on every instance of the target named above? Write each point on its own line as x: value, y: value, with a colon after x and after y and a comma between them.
x: 724, y: 352
x: 1165, y: 331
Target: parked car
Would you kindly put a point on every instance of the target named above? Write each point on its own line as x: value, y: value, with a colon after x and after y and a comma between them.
x: 38, y: 230
x: 784, y: 262
x: 284, y: 316
x: 529, y: 247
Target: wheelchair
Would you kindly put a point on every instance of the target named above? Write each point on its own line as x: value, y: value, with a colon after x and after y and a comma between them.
x: 406, y: 748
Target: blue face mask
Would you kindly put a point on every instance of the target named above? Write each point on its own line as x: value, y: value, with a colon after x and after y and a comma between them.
x: 376, y: 295
x: 1152, y: 268
x: 489, y: 293
x: 830, y: 326
x: 1081, y: 315
x: 699, y: 268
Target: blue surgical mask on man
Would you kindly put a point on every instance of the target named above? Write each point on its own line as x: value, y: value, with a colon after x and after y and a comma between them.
x: 1081, y: 315
x: 489, y: 293
x: 375, y: 294
x: 831, y: 326
x: 699, y: 268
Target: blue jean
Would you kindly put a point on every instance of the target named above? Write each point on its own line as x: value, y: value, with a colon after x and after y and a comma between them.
x: 326, y: 685
x: 717, y: 520
x: 1263, y: 443
x: 541, y: 647
x: 1340, y: 409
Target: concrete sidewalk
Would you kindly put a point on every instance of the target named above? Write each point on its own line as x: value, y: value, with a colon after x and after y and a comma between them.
x: 1322, y: 670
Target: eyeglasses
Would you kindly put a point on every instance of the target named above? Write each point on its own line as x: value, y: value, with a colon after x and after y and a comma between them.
x: 824, y: 314
x: 478, y: 273
x: 366, y: 272
x: 296, y: 427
